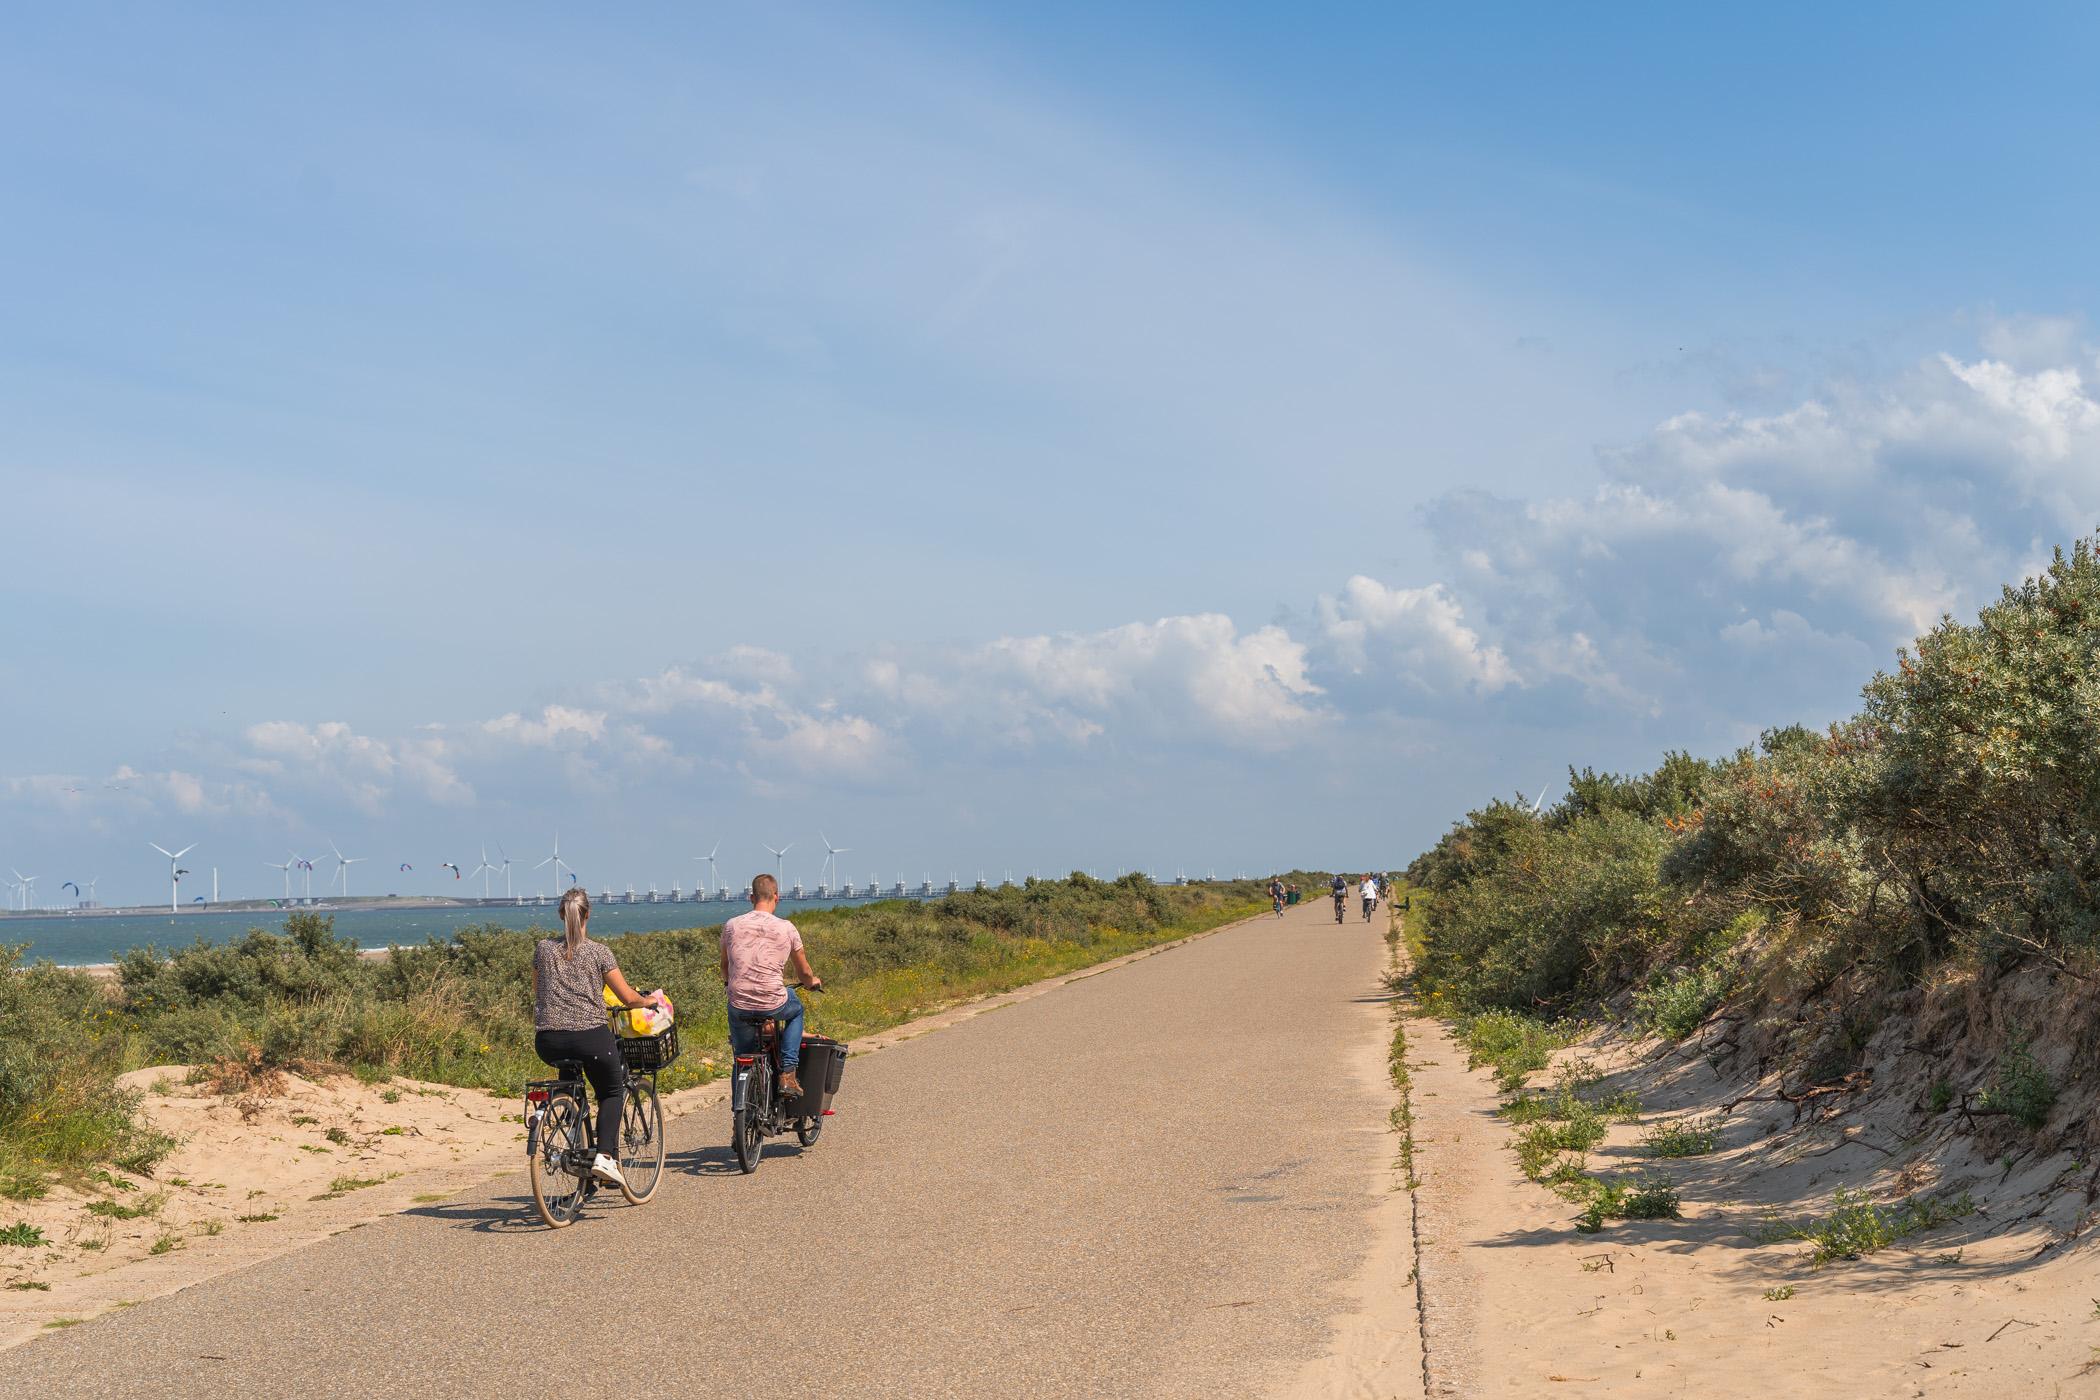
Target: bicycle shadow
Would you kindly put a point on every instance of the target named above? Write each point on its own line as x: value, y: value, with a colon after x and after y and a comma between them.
x: 721, y: 1160
x: 504, y: 1216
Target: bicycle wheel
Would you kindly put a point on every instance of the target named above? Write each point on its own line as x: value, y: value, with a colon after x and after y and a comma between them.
x: 557, y: 1187
x: 746, y: 1125
x: 807, y: 1129
x: 641, y: 1141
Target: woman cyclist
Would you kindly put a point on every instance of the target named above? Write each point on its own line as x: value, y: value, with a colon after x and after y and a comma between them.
x: 569, y: 975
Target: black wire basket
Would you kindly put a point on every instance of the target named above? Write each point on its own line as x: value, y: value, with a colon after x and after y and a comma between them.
x: 650, y: 1052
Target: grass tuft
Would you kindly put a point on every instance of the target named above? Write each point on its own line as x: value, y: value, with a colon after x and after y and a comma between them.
x: 1857, y: 1226
x: 1683, y: 1138
x: 21, y: 1235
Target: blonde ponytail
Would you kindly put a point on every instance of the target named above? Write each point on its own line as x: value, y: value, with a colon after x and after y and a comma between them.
x: 575, y: 915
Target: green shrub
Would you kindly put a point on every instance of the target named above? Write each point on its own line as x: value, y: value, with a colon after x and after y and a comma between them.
x: 1857, y: 1226
x: 1677, y: 1004
x: 2020, y: 1088
x: 21, y: 1235
x: 1515, y: 1045
x: 1693, y: 1138
x: 1644, y: 1198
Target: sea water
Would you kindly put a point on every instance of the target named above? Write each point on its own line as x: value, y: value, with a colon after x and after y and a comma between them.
x: 78, y: 939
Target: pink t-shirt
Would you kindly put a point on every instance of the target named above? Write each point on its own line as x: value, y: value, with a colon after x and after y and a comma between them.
x: 758, y: 945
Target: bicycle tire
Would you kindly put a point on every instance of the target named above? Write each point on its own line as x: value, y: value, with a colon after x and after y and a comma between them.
x: 641, y: 1142
x: 746, y: 1125
x: 807, y: 1130
x: 561, y: 1134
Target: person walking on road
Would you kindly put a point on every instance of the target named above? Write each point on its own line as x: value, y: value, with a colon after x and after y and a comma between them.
x: 755, y: 947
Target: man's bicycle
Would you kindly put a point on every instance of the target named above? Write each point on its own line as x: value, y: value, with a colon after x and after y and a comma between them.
x: 757, y: 1108
x: 561, y: 1132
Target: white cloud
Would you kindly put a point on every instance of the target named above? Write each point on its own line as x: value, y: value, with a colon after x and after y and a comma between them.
x: 1248, y: 688
x: 1413, y: 636
x: 333, y: 757
x: 555, y: 723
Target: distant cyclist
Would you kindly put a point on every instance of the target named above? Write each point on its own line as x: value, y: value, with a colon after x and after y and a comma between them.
x: 569, y: 977
x: 1368, y: 888
x: 755, y: 947
x: 1339, y: 887
x: 1277, y: 893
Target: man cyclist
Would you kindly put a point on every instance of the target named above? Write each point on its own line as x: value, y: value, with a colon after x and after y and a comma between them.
x: 1276, y: 893
x: 1368, y: 888
x: 755, y: 946
x: 1339, y: 887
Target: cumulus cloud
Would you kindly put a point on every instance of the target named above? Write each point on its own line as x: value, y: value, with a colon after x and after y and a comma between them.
x: 333, y: 757
x: 1416, y: 636
x: 554, y: 724
x: 1249, y: 688
x: 1819, y: 537
x: 1729, y: 570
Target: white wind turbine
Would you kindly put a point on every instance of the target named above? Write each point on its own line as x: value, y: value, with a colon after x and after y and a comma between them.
x: 23, y: 884
x: 779, y: 856
x: 342, y: 867
x: 505, y: 868
x: 175, y: 873
x: 831, y: 859
x: 482, y: 870
x: 713, y: 883
x: 287, y: 869
x: 558, y: 863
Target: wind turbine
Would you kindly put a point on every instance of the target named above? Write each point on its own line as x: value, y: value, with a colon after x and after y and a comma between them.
x: 483, y: 870
x: 22, y: 884
x: 175, y: 873
x: 713, y: 883
x: 273, y: 865
x: 342, y: 867
x: 831, y: 857
x: 778, y: 857
x: 505, y: 868
x: 557, y: 862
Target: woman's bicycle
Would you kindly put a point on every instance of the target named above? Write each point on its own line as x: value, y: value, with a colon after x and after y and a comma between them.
x: 561, y: 1132
x: 757, y: 1108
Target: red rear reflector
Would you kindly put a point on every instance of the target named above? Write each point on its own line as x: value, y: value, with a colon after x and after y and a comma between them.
x: 829, y: 1111
x: 535, y: 1096
x: 747, y: 1059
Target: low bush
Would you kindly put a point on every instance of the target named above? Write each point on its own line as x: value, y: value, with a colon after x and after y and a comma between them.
x: 1857, y: 1226
x: 2020, y: 1088
x: 1677, y: 1004
x: 1682, y: 1138
x: 1513, y: 1044
x: 1644, y: 1198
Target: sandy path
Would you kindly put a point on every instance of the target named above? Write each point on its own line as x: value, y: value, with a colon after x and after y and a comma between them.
x: 1518, y: 1303
x: 1158, y: 1181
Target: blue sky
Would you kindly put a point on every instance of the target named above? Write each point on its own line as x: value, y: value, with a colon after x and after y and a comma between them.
x: 1201, y: 437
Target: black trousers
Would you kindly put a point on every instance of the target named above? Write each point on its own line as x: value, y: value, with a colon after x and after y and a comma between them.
x: 602, y: 1066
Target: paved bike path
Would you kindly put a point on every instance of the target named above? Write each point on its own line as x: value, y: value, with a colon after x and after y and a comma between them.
x: 1151, y: 1182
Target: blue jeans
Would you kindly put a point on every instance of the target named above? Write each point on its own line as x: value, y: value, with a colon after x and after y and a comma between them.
x: 743, y: 1031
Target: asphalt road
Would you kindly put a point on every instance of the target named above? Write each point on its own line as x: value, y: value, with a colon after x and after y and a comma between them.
x: 1150, y: 1182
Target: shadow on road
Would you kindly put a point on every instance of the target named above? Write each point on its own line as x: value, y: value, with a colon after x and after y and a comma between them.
x: 721, y: 1160
x: 508, y: 1215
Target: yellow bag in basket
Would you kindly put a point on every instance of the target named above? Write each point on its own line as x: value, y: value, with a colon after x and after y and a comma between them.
x: 633, y: 1021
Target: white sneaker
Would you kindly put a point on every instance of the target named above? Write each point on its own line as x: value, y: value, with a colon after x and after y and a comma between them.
x: 607, y: 1171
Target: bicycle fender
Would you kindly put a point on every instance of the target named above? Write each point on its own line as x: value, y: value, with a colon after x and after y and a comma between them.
x: 739, y: 1090
x: 532, y: 1133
